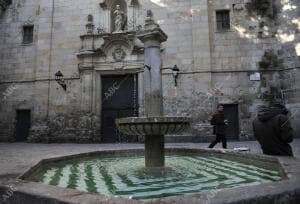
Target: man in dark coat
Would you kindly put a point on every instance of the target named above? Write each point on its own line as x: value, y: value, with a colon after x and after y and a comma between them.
x: 273, y: 130
x: 219, y: 122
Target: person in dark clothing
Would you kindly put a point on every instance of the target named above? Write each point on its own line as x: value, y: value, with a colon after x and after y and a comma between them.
x: 273, y: 130
x: 219, y: 124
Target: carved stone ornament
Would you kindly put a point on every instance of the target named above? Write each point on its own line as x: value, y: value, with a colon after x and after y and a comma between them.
x: 119, y: 54
x: 238, y: 7
x: 134, y: 3
x: 103, y: 4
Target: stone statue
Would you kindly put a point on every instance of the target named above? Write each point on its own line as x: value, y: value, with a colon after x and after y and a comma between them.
x: 119, y: 19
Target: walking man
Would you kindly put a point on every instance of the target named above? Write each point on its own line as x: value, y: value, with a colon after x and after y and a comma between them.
x: 219, y: 124
x: 273, y: 130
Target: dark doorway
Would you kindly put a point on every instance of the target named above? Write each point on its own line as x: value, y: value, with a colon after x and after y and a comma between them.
x: 119, y: 99
x: 23, y: 119
x: 232, y: 115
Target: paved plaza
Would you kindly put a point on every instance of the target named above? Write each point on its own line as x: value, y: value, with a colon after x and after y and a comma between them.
x: 17, y: 158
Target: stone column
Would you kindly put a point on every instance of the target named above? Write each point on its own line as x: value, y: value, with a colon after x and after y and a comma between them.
x: 152, y: 36
x: 154, y: 151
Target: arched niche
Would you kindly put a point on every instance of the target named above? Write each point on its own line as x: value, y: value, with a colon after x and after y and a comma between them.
x: 129, y: 7
x: 118, y: 7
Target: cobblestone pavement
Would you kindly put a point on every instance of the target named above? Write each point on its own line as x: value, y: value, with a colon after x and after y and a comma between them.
x: 16, y: 158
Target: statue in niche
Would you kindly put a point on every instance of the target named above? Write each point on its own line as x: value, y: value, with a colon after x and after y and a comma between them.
x: 119, y: 19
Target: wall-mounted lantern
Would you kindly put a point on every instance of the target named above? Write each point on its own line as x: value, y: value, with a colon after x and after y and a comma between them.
x: 59, y: 78
x: 175, y: 72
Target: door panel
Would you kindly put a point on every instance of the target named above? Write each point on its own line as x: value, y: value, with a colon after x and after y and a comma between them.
x: 231, y: 114
x: 119, y: 99
x: 117, y: 92
x: 22, y: 125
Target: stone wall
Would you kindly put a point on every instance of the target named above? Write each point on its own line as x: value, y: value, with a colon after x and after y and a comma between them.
x: 214, y: 66
x: 263, y: 37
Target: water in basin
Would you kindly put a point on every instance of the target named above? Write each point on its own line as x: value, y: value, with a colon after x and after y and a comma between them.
x: 127, y: 177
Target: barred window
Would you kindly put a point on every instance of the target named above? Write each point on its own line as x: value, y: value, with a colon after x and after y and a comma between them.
x: 223, y: 20
x: 27, y: 34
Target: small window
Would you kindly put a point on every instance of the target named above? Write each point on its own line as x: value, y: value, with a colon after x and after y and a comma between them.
x: 27, y: 34
x: 223, y: 20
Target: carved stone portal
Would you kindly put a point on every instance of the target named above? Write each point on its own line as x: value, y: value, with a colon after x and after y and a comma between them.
x: 115, y: 42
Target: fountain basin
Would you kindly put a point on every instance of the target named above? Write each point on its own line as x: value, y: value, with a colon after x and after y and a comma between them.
x: 152, y: 125
x: 121, y: 174
x: 154, y: 129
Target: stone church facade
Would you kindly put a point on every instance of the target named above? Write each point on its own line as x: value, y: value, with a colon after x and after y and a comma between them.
x: 69, y: 68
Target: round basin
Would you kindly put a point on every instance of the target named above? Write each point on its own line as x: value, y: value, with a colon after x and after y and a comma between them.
x: 152, y: 125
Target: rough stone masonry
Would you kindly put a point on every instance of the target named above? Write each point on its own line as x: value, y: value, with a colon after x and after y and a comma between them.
x: 241, y: 53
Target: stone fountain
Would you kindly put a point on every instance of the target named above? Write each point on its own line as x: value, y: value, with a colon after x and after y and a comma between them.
x: 154, y: 125
x: 117, y: 174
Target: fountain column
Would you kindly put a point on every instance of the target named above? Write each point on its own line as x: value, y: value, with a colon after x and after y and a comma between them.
x: 152, y: 36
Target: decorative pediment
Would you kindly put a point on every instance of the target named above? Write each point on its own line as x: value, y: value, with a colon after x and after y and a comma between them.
x: 103, y: 45
x: 110, y: 40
